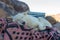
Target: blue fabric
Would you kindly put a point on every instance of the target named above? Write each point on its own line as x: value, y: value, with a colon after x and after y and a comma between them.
x: 37, y: 14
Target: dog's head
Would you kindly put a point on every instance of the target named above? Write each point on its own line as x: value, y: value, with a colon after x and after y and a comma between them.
x: 18, y: 18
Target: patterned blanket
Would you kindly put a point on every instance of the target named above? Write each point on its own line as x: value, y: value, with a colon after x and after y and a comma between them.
x: 13, y: 31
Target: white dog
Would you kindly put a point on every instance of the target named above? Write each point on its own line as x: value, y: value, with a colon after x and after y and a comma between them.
x: 45, y: 22
x: 31, y: 21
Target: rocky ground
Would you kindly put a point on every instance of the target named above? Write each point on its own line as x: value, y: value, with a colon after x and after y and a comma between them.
x: 54, y: 20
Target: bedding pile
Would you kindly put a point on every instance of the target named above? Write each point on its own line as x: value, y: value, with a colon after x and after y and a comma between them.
x: 12, y: 30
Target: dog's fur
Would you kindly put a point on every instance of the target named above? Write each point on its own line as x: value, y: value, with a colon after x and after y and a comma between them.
x: 32, y: 21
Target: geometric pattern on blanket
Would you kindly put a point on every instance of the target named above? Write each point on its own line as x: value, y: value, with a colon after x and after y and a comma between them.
x: 14, y: 31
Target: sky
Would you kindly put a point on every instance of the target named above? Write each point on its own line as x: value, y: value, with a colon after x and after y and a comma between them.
x: 47, y: 6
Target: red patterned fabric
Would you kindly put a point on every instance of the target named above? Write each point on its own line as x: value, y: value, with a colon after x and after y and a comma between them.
x: 14, y: 31
x: 48, y: 34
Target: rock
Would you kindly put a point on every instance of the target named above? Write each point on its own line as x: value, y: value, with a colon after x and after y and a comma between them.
x: 17, y: 5
x: 51, y: 20
x: 3, y: 13
x: 5, y: 10
x: 56, y: 17
x: 57, y: 25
